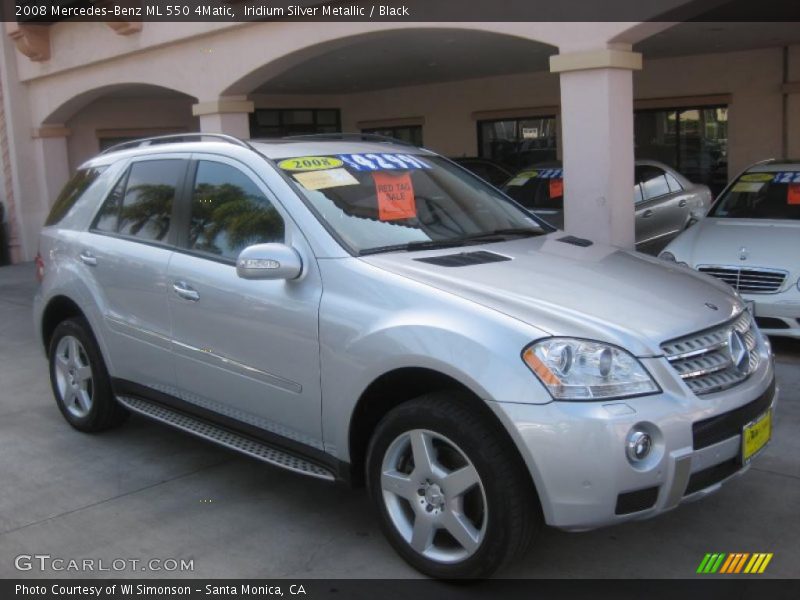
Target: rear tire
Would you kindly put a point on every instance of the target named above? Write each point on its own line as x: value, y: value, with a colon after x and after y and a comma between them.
x: 466, y: 510
x: 79, y: 378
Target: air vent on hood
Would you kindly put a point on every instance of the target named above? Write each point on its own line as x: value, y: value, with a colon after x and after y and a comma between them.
x: 464, y: 259
x: 576, y: 241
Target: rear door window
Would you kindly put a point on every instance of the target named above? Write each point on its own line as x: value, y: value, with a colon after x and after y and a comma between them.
x: 653, y: 181
x: 74, y: 189
x: 140, y: 205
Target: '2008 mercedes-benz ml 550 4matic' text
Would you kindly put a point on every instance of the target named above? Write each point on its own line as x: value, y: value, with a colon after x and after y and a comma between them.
x: 356, y: 309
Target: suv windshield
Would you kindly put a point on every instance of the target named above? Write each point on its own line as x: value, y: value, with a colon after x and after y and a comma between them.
x: 761, y: 196
x: 537, y: 188
x: 378, y: 202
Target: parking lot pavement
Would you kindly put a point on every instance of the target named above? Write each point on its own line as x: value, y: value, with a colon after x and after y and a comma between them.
x: 145, y: 491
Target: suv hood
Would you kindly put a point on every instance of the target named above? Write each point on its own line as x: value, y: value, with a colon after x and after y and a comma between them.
x: 597, y: 292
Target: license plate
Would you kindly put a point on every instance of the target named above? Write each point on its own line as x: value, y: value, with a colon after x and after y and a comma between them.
x: 755, y: 436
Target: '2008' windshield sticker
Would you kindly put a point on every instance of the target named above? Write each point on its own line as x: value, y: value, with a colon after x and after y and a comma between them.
x: 320, y: 180
x: 522, y: 178
x: 787, y: 177
x: 760, y: 177
x: 383, y: 162
x: 309, y: 163
x: 395, y: 194
x: 747, y: 187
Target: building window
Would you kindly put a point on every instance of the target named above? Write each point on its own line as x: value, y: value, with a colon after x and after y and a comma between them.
x: 281, y: 122
x: 518, y: 143
x: 407, y: 133
x: 693, y: 141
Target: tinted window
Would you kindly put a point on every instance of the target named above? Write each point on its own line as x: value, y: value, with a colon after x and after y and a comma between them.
x: 674, y: 184
x: 74, y: 189
x: 229, y: 212
x: 537, y: 188
x: 108, y: 217
x: 653, y: 180
x: 147, y: 205
x: 761, y: 196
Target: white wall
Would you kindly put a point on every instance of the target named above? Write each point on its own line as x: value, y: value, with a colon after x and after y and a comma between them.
x: 141, y: 114
x: 752, y: 78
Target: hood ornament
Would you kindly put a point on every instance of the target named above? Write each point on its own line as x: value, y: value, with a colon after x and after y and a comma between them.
x: 737, y: 351
x: 743, y: 253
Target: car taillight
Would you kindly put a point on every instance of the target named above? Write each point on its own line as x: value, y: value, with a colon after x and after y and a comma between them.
x: 39, y: 267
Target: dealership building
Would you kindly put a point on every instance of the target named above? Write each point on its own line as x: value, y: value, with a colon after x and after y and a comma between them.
x: 706, y: 98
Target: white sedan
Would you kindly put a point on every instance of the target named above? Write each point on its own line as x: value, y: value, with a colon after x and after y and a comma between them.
x: 751, y: 240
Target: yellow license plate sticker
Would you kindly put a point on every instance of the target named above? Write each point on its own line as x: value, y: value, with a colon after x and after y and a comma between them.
x: 755, y: 436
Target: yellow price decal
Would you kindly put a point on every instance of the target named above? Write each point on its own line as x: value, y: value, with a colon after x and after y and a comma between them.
x: 309, y: 163
x: 757, y: 177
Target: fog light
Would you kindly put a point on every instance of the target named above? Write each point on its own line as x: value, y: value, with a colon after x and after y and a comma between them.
x: 638, y: 445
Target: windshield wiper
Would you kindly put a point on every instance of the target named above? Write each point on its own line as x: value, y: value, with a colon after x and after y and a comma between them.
x: 501, y: 234
x: 498, y: 235
x: 420, y: 245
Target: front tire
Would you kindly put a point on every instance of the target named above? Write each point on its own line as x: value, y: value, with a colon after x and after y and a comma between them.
x: 80, y: 381
x: 451, y: 493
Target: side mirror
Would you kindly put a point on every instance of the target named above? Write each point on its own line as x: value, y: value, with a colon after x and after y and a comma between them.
x: 269, y: 261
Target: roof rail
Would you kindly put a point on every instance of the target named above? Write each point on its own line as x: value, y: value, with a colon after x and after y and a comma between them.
x: 175, y: 137
x: 358, y: 137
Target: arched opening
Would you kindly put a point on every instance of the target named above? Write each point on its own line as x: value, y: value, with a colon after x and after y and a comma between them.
x: 441, y: 87
x: 104, y: 116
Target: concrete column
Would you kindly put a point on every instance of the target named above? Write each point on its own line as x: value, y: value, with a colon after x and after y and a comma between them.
x: 229, y: 115
x: 52, y: 160
x: 597, y: 134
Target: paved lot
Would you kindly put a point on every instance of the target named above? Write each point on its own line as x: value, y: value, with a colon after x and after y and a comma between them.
x: 145, y: 491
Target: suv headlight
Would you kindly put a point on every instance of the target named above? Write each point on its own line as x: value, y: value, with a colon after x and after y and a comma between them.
x: 574, y: 369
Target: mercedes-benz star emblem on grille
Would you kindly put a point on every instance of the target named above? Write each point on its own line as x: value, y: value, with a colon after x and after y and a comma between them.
x: 712, y: 306
x: 737, y: 350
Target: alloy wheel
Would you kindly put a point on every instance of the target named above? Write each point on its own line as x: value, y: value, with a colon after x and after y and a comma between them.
x: 434, y: 496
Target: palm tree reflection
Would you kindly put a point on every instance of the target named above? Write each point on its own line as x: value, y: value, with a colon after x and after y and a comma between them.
x: 225, y: 219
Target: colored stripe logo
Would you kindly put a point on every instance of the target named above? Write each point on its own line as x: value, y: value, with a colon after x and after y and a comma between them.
x: 733, y: 563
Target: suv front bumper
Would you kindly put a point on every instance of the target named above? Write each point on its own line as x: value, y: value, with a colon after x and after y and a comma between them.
x: 576, y: 450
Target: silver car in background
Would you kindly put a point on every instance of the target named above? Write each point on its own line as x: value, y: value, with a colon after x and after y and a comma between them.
x: 368, y: 312
x: 666, y: 202
x: 751, y: 240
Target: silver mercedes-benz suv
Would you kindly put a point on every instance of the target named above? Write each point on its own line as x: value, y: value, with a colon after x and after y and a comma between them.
x: 358, y: 310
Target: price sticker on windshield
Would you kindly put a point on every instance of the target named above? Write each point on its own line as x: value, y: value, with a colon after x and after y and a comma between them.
x: 793, y: 194
x: 556, y: 188
x: 395, y: 194
x: 309, y: 163
x: 383, y: 162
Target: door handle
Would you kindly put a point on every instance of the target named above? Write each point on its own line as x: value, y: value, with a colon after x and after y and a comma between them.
x: 88, y: 258
x: 185, y: 291
x: 682, y: 203
x: 647, y: 213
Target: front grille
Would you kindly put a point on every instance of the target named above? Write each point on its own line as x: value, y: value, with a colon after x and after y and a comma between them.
x: 716, y: 429
x: 705, y: 361
x: 753, y: 280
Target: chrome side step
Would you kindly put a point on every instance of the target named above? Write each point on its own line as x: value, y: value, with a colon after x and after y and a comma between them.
x: 223, y: 437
